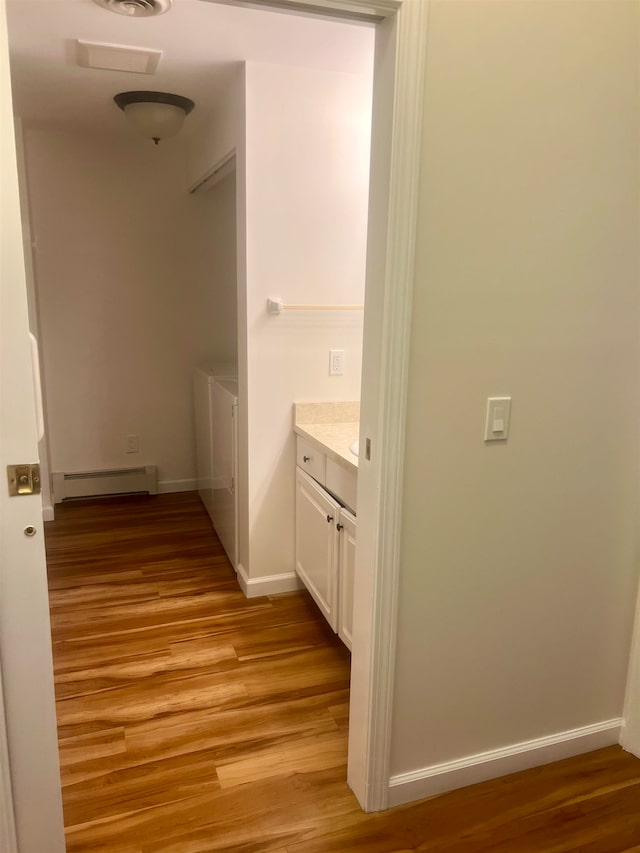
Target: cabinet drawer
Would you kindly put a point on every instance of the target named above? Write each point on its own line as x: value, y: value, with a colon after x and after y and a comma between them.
x: 311, y: 460
x: 342, y: 482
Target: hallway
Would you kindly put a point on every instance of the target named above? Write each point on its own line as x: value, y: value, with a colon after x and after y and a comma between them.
x: 193, y: 720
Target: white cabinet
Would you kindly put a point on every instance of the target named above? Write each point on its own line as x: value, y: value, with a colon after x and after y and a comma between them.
x: 325, y: 550
x: 347, y: 562
x: 317, y: 544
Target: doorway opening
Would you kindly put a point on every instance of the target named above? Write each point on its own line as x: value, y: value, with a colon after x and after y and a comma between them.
x: 152, y: 295
x: 388, y: 435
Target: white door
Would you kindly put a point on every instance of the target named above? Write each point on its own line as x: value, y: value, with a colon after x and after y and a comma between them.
x: 347, y: 528
x: 25, y: 640
x: 316, y: 544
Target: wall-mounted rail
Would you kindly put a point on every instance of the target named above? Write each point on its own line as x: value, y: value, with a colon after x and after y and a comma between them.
x: 277, y: 306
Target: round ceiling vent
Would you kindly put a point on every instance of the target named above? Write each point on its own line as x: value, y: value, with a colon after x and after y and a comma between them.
x: 136, y: 8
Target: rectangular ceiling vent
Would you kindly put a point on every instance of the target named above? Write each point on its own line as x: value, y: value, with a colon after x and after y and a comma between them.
x: 117, y: 57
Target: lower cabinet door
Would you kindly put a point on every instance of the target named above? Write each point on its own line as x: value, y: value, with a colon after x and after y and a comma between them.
x: 317, y: 544
x: 347, y: 562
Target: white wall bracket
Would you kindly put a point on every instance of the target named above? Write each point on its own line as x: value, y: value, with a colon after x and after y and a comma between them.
x: 275, y: 305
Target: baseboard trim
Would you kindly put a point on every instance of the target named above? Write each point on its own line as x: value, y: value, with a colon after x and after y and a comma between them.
x: 167, y: 486
x: 48, y: 512
x: 428, y: 781
x: 270, y: 585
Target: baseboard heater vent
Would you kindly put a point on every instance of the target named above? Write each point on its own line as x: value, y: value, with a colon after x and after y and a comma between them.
x: 116, y: 481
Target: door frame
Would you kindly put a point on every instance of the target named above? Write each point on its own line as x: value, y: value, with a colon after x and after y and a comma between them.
x: 398, y: 95
x: 400, y: 58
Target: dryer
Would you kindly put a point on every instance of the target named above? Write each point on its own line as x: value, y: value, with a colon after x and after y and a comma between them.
x: 216, y: 421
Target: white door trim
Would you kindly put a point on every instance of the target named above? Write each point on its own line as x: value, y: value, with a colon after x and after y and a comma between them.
x: 404, y: 175
x: 385, y: 367
x: 364, y: 10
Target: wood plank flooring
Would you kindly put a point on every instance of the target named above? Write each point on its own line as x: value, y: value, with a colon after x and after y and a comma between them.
x: 192, y: 720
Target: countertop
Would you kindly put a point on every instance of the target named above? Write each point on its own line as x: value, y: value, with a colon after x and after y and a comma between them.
x: 331, y: 427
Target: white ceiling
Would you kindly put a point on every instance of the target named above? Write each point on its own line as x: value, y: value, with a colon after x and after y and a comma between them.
x: 200, y: 42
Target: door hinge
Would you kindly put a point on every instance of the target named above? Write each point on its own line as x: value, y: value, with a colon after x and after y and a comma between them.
x: 23, y: 479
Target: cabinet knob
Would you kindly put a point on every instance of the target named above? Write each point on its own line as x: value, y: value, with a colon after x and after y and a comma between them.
x: 339, y: 527
x: 329, y: 519
x: 306, y: 458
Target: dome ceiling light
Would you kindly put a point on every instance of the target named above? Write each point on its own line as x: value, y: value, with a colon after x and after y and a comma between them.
x: 136, y: 8
x: 155, y: 115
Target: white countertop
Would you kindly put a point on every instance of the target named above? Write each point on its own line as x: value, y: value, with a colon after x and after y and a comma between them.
x: 331, y: 427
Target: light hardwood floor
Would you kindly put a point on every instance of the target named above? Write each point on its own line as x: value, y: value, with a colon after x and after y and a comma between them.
x: 192, y: 720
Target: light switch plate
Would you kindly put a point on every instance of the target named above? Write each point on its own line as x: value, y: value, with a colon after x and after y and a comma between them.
x: 496, y: 427
x: 336, y: 362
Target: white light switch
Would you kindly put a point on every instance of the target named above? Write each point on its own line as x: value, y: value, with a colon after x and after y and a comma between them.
x: 498, y: 414
x: 336, y: 362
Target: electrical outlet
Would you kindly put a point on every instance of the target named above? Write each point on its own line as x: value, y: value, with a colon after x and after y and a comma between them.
x: 336, y: 362
x: 132, y: 444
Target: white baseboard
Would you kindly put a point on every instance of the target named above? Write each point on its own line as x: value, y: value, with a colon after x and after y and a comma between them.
x: 271, y: 585
x: 428, y: 781
x: 166, y: 486
x: 48, y: 513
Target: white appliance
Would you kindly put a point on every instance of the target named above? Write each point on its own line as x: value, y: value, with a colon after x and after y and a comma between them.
x: 216, y: 418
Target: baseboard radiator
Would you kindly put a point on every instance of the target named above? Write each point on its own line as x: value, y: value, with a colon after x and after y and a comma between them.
x: 116, y: 481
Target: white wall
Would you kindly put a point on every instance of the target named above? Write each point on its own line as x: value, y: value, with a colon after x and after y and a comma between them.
x: 213, y: 268
x: 127, y: 290
x: 222, y: 135
x: 519, y: 560
x: 218, y: 136
x: 307, y: 161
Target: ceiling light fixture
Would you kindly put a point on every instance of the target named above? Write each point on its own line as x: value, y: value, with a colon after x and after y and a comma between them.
x: 136, y: 8
x: 156, y: 115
